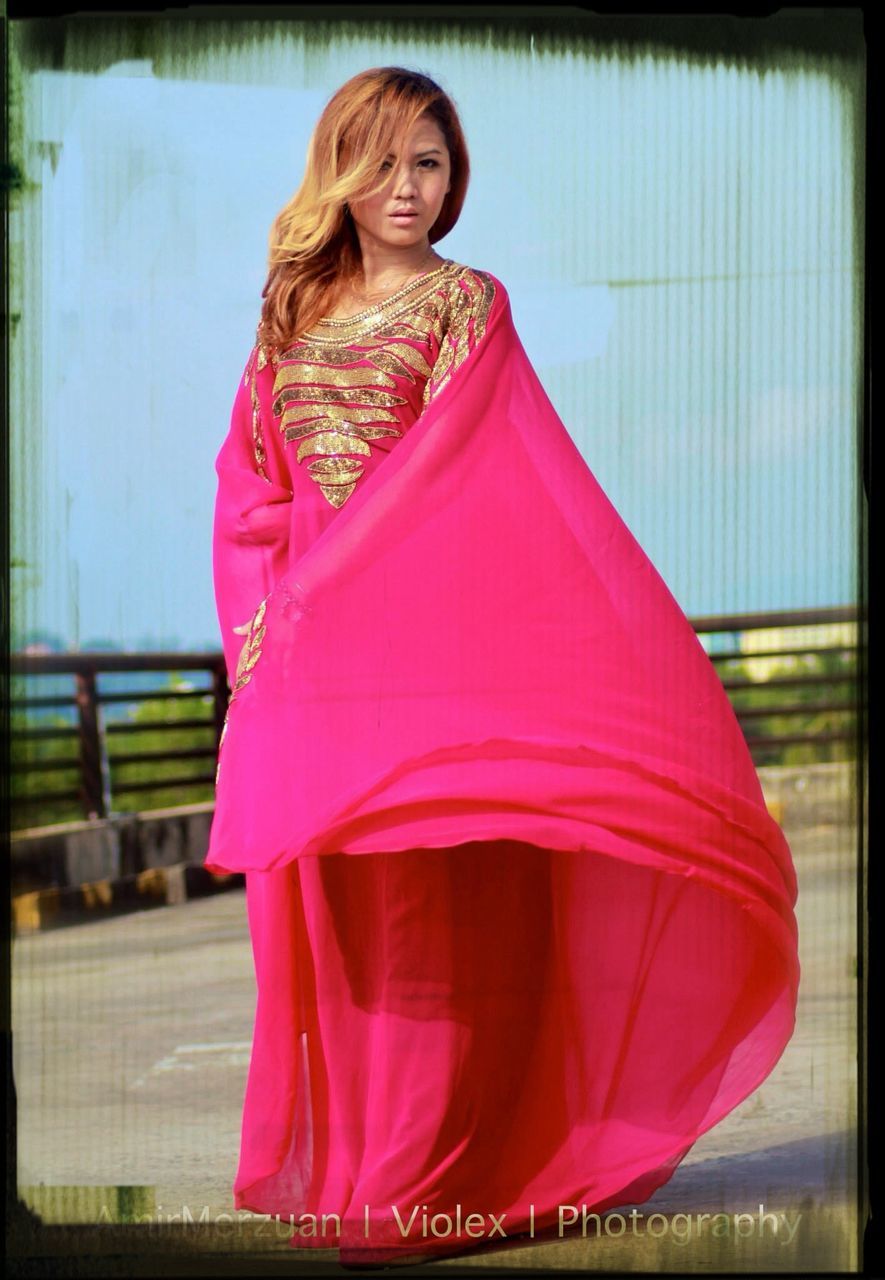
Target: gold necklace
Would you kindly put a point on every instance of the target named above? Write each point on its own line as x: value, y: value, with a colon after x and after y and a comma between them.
x: 385, y: 292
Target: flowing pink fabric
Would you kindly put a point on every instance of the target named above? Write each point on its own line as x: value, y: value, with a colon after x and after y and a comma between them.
x: 522, y: 924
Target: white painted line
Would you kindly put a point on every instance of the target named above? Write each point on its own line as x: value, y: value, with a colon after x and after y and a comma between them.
x: 233, y: 1053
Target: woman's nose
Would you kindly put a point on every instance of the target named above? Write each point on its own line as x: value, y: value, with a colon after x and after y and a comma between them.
x: 405, y: 182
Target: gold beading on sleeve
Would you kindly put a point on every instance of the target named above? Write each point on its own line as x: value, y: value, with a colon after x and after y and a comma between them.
x: 251, y: 651
x: 256, y: 364
x: 468, y: 317
x: 249, y: 655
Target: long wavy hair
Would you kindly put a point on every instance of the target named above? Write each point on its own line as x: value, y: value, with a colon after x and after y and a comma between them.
x: 314, y: 248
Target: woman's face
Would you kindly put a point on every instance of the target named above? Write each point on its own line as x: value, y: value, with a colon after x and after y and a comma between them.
x: 402, y: 213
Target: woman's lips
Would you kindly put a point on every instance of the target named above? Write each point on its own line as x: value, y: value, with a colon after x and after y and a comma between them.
x: 403, y: 217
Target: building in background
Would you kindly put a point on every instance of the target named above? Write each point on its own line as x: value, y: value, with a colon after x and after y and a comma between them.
x: 677, y: 220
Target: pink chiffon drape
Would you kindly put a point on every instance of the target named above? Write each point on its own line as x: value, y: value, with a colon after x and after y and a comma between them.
x: 523, y: 927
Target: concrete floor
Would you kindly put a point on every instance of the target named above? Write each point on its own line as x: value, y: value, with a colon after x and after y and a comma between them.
x: 131, y: 1046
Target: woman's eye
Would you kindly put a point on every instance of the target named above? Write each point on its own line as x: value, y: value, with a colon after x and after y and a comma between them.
x: 428, y: 162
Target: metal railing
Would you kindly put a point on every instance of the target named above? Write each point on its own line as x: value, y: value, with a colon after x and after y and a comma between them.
x: 800, y: 694
x: 85, y: 741
x: 113, y: 746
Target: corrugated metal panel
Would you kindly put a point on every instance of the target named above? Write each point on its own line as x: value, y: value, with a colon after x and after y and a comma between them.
x: 680, y: 241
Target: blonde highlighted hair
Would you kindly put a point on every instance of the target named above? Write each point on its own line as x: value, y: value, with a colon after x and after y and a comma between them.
x: 314, y: 249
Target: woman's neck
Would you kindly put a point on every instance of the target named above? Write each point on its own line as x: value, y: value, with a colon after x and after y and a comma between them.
x: 384, y: 266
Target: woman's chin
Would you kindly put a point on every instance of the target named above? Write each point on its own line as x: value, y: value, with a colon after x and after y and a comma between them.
x: 395, y: 235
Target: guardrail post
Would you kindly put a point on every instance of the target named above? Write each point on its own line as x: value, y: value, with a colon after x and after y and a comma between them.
x: 94, y: 780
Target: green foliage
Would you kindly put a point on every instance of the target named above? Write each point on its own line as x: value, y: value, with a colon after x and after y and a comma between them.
x: 12, y: 177
x: 828, y: 686
x: 25, y: 784
x: 160, y: 735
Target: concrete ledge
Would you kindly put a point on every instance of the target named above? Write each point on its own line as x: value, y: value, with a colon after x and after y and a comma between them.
x: 76, y: 853
x: 809, y: 795
x: 101, y: 899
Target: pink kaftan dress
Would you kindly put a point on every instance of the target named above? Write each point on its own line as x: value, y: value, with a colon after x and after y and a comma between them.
x: 522, y: 925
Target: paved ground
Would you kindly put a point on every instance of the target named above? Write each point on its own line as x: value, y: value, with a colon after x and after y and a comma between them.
x: 131, y: 1045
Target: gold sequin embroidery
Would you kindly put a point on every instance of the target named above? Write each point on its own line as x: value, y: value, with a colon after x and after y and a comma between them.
x: 332, y: 401
x: 346, y: 428
x: 306, y: 373
x: 256, y: 364
x: 396, y: 359
x: 351, y: 328
x: 466, y: 328
x: 363, y: 395
x: 251, y: 650
x: 333, y: 388
x: 249, y: 655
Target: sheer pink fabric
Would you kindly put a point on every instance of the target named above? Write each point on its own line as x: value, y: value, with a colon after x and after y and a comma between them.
x: 522, y: 925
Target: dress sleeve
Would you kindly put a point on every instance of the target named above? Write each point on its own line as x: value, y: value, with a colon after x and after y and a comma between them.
x: 252, y: 510
x: 473, y: 295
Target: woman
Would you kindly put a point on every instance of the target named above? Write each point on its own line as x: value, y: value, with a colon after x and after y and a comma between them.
x: 522, y: 925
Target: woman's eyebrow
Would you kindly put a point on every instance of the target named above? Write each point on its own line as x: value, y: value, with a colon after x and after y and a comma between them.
x: 428, y: 151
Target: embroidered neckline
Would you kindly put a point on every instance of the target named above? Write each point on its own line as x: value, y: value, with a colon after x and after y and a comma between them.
x: 379, y: 306
x: 337, y: 326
